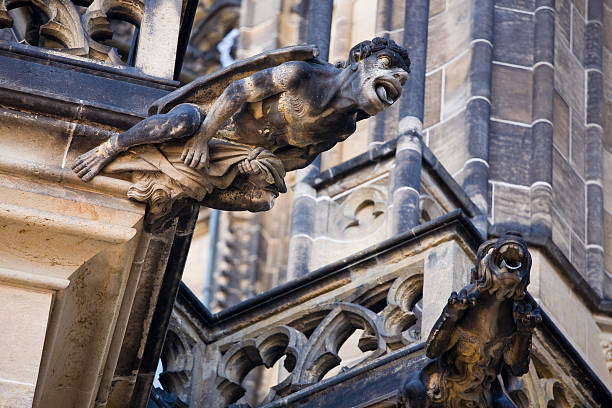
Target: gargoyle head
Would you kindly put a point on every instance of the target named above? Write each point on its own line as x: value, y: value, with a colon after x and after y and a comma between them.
x: 502, y: 267
x: 382, y: 68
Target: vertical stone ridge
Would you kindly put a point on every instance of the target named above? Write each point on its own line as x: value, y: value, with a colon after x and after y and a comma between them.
x: 594, y: 146
x: 300, y: 248
x: 384, y: 125
x: 542, y: 115
x: 478, y: 111
x: 405, y: 177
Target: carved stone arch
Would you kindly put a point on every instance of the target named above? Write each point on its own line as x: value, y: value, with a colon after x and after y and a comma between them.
x: 249, y: 353
x: 400, y: 315
x: 96, y: 19
x: 177, y: 362
x: 429, y: 208
x: 320, y: 354
x: 63, y: 24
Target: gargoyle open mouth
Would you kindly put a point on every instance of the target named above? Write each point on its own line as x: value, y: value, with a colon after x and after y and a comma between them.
x: 387, y: 90
x: 510, y: 257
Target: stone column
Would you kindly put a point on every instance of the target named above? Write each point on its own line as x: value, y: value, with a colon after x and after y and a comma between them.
x: 405, y: 175
x: 542, y: 115
x: 158, y: 37
x: 594, y: 145
x: 389, y: 24
x: 478, y: 111
x: 300, y: 244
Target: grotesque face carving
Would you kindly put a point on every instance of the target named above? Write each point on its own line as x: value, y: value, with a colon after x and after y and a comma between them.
x: 503, y: 267
x: 381, y: 68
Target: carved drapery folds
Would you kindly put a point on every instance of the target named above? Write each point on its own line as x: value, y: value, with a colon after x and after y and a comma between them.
x: 84, y: 28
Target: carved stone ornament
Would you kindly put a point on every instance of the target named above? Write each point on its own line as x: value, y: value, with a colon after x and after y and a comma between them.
x: 227, y: 139
x: 484, y: 328
x: 78, y: 27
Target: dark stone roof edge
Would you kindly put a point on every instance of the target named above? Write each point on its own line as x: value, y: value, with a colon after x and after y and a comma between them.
x: 384, y: 151
x: 121, y: 73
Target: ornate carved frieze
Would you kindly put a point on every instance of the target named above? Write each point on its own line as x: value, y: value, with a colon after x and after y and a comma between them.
x: 486, y: 326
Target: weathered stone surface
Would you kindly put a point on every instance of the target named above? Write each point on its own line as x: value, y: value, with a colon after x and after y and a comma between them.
x: 578, y: 143
x: 561, y: 124
x: 560, y: 233
x: 567, y: 69
x: 511, y: 90
x: 578, y: 42
x: 509, y: 153
x: 25, y: 312
x: 594, y: 215
x: 511, y: 210
x: 449, y: 34
x: 580, y: 6
x: 436, y: 7
x: 578, y: 255
x: 563, y: 20
x: 456, y: 85
x: 525, y: 5
x: 513, y: 37
x: 594, y: 97
x: 568, y: 194
x: 450, y: 150
x: 433, y: 98
x: 158, y: 37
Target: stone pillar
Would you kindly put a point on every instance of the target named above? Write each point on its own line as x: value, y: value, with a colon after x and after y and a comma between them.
x: 594, y: 145
x: 446, y: 269
x: 405, y: 175
x: 158, y: 37
x: 478, y: 111
x: 300, y: 244
x: 389, y: 24
x: 542, y: 115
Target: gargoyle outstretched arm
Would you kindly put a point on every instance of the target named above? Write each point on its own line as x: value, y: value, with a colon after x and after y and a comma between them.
x: 257, y: 87
x: 517, y: 355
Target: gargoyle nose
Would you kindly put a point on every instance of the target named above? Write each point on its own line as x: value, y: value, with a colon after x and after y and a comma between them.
x: 401, y: 76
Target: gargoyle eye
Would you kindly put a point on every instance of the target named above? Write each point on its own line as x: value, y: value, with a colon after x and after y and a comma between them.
x: 385, y: 61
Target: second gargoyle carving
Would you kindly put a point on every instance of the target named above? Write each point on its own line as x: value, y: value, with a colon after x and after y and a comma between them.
x: 227, y: 139
x: 485, y: 327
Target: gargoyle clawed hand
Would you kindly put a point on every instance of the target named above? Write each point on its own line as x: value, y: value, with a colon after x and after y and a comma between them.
x: 458, y: 303
x: 526, y: 317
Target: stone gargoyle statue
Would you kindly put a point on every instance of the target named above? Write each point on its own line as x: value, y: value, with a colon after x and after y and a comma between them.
x: 227, y: 139
x: 484, y: 328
